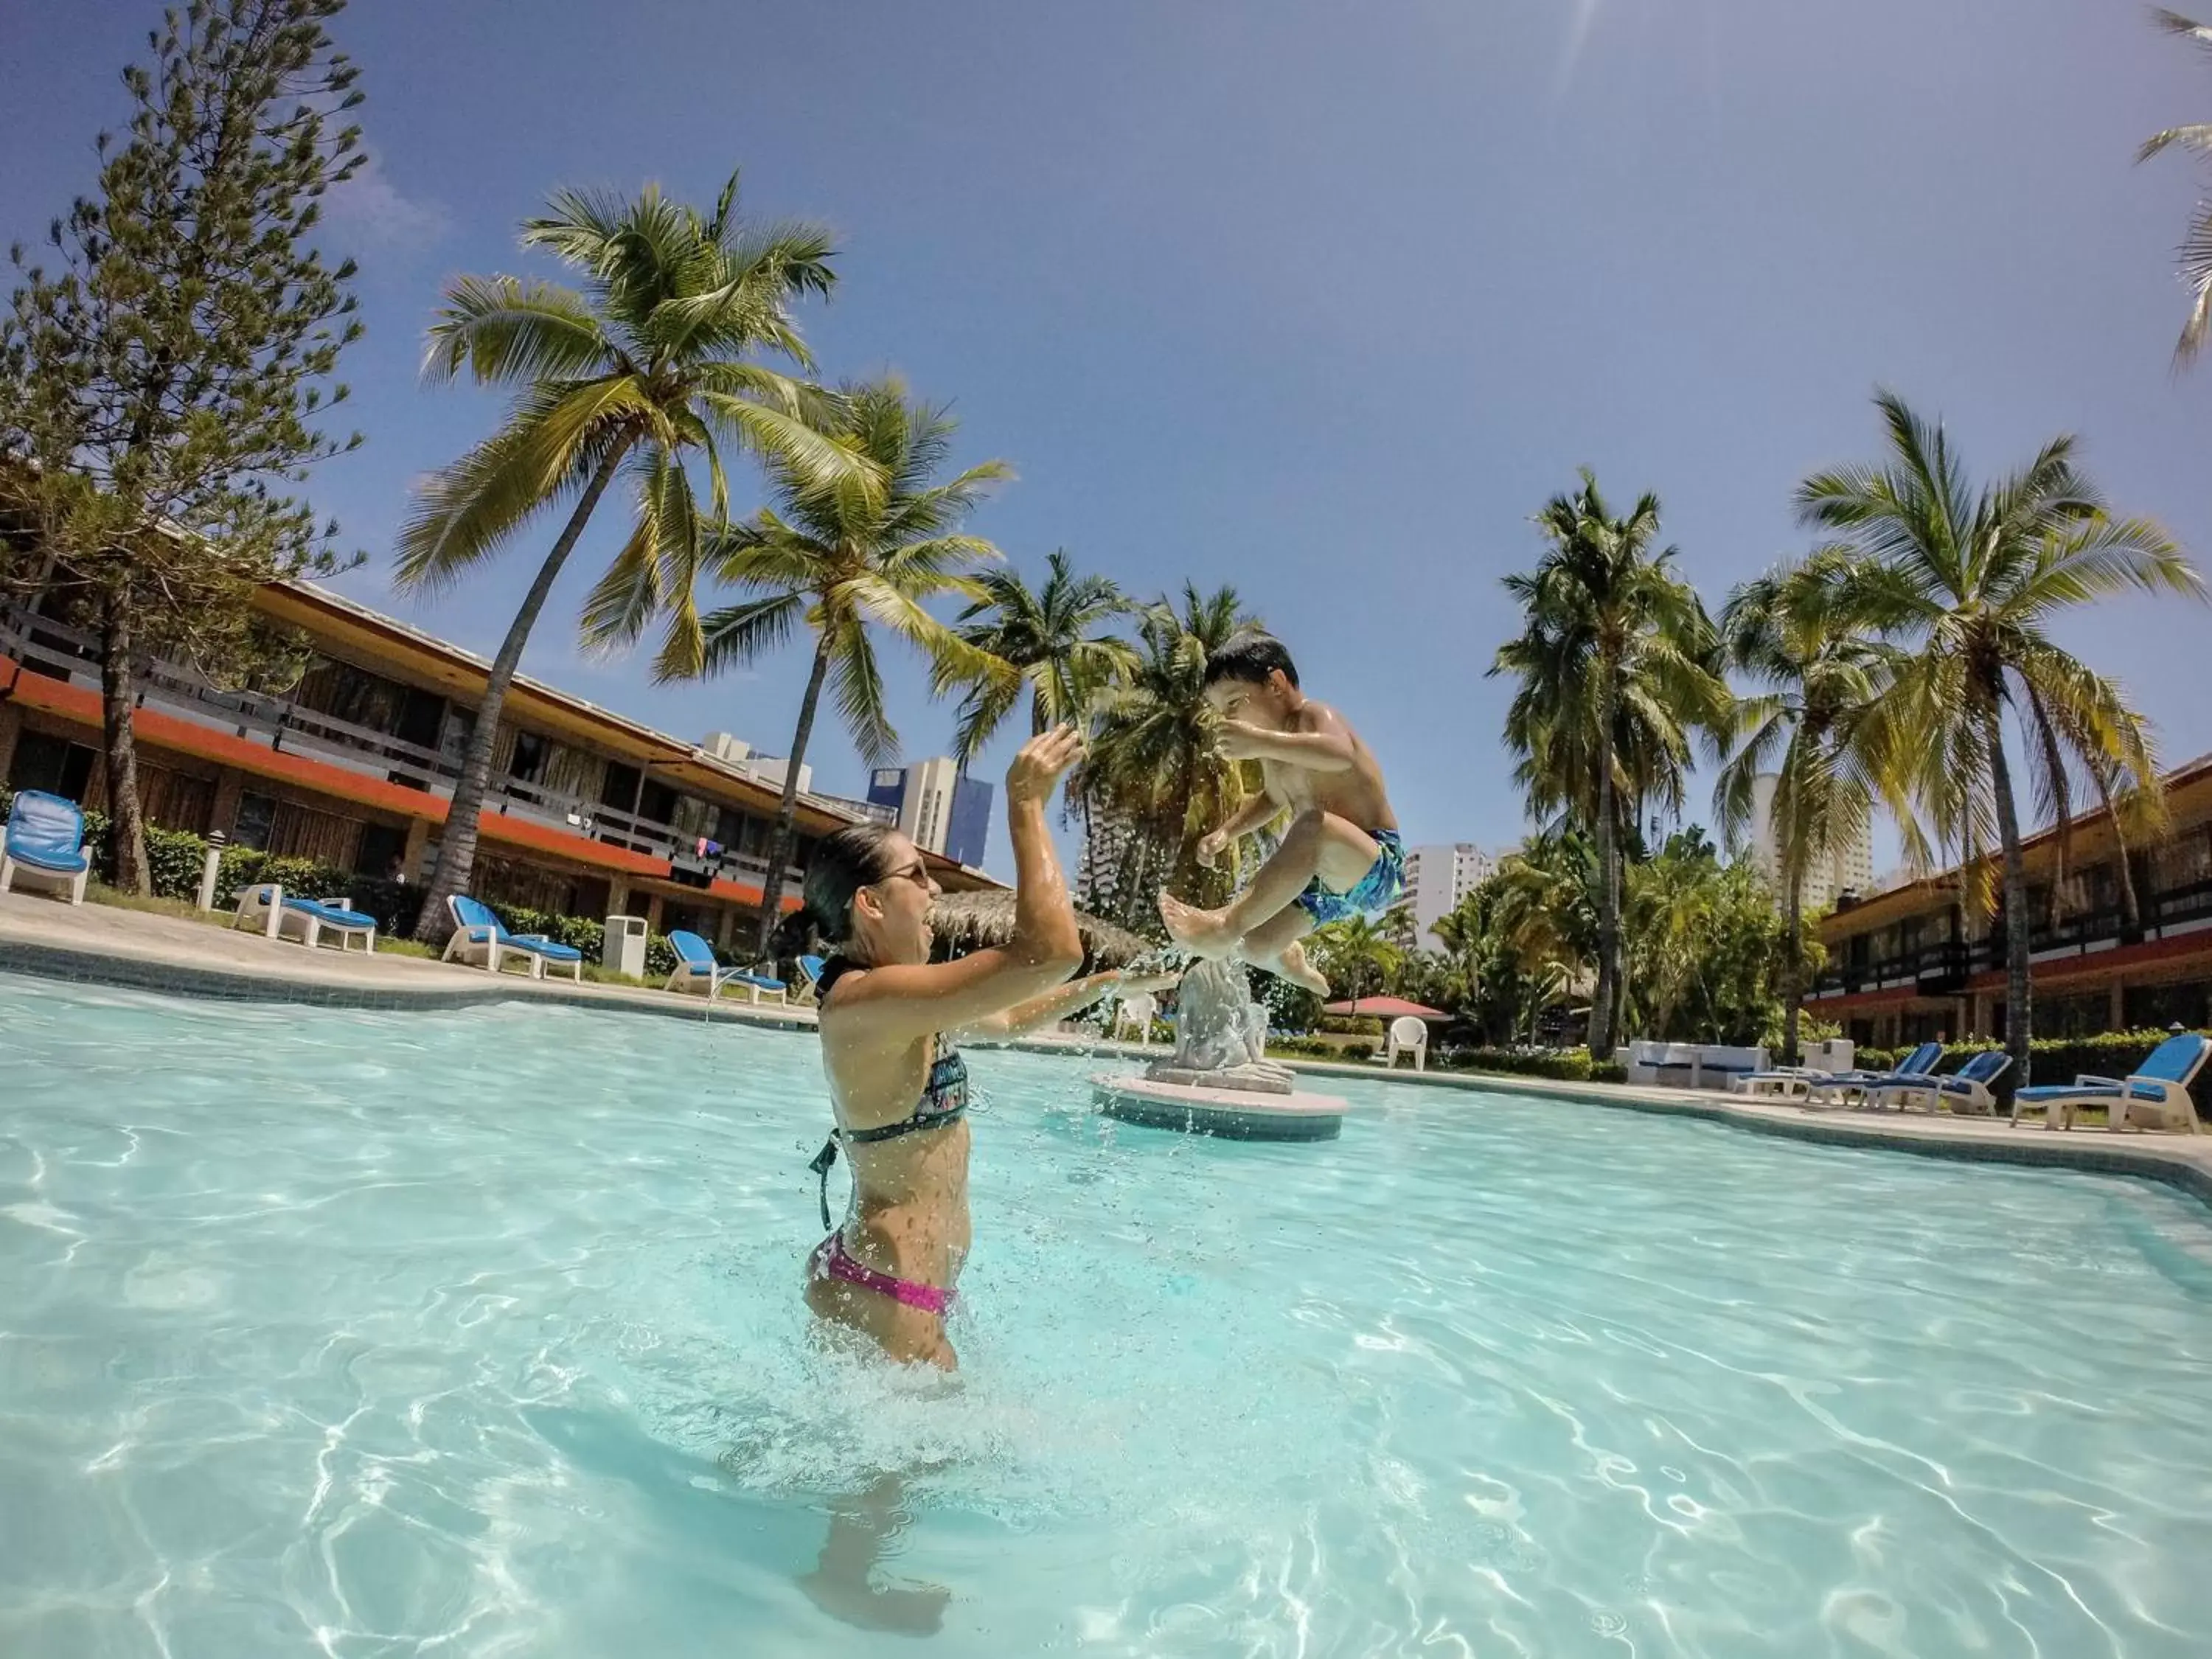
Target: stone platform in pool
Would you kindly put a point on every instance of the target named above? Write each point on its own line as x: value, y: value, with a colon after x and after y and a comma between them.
x: 1229, y: 1114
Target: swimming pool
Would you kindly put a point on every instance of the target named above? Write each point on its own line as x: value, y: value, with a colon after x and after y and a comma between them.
x: 379, y: 1333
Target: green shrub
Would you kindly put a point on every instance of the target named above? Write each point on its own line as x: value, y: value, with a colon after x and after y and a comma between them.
x: 1564, y: 1066
x: 1351, y: 1025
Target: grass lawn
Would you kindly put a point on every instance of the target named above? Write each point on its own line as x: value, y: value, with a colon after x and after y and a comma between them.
x: 182, y: 910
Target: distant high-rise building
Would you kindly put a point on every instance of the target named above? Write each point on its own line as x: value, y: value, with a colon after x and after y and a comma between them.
x: 941, y: 810
x: 1437, y: 878
x: 1849, y: 870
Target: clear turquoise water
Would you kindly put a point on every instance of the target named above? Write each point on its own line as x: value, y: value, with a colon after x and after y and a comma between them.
x: 479, y: 1334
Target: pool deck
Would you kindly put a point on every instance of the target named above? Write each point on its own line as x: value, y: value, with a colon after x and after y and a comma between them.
x: 109, y: 945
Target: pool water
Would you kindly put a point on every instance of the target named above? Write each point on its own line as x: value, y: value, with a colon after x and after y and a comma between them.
x: 479, y: 1334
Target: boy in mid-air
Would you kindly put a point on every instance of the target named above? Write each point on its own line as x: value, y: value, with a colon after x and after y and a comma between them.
x: 1341, y: 856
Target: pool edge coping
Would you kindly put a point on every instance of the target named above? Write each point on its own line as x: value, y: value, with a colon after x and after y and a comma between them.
x: 2141, y: 1157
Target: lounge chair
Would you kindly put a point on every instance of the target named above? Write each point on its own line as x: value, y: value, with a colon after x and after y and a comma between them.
x: 44, y: 845
x: 2155, y: 1094
x: 481, y: 938
x: 1409, y: 1035
x: 810, y: 981
x: 1851, y: 1088
x: 1966, y: 1092
x: 697, y: 970
x: 277, y: 913
x: 1139, y: 1011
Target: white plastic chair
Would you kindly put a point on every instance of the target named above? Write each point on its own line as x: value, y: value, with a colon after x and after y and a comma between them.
x: 1409, y: 1035
x: 1139, y: 1011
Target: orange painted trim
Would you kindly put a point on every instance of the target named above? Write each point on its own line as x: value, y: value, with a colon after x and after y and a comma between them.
x: 579, y: 850
x: 722, y: 887
x: 2123, y: 957
x: 1859, y: 1001
x: 77, y: 703
x: 159, y: 731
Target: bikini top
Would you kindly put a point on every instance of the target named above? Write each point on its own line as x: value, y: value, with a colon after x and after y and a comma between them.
x: 944, y: 1096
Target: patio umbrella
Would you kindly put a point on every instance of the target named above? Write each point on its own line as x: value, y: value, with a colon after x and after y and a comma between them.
x: 1384, y: 1008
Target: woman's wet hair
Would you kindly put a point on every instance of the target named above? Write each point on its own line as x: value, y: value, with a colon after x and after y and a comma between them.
x: 843, y: 863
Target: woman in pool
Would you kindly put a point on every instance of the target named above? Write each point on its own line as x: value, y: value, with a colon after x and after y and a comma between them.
x: 897, y: 1085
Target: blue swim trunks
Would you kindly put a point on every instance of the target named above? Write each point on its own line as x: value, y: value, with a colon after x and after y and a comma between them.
x: 1377, y: 891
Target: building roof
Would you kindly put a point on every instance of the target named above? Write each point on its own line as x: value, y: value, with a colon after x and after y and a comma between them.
x: 416, y: 654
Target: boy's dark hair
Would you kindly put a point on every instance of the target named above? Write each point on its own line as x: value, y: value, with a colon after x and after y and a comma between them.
x: 1250, y: 658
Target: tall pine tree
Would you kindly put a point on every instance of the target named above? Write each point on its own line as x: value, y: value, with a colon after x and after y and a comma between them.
x: 161, y: 386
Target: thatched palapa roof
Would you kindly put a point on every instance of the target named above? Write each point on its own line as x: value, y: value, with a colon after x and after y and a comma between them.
x: 971, y: 921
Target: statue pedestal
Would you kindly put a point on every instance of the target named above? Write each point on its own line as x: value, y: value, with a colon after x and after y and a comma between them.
x: 1230, y: 1114
x: 1220, y: 1081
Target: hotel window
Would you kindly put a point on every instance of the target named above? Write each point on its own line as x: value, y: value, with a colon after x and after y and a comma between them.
x: 53, y: 764
x: 528, y: 763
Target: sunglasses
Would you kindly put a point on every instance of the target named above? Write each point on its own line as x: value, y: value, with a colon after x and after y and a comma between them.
x: 917, y: 873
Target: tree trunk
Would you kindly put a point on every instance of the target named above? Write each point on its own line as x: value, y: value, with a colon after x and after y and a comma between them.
x: 119, y: 701
x: 786, y: 811
x: 457, y: 847
x: 1606, y: 1003
x: 1792, y: 991
x: 2019, y: 1014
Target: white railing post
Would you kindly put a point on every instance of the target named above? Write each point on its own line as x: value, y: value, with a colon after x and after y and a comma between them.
x: 210, y: 870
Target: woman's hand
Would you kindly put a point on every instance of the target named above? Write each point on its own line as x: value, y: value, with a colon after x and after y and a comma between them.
x: 1037, y: 770
x: 1211, y: 846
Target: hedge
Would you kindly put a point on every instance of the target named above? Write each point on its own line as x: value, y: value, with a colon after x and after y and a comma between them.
x: 1562, y: 1066
x: 1321, y: 1049
x: 1352, y: 1025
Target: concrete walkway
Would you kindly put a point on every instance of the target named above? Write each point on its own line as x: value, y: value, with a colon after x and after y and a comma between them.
x: 106, y: 945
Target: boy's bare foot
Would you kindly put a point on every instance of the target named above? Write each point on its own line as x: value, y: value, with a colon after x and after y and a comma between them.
x: 1295, y: 967
x: 1201, y: 933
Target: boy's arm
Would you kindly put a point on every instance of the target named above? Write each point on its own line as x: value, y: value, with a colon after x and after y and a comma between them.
x: 1251, y: 815
x: 1326, y: 745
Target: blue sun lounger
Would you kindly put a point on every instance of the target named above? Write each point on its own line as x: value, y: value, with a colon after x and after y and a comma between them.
x: 697, y: 970
x: 480, y: 935
x: 276, y: 911
x: 810, y: 977
x: 44, y: 844
x: 2155, y: 1094
x: 1845, y: 1088
x: 1966, y: 1092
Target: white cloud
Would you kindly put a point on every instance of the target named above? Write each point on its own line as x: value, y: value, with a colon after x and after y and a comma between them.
x: 373, y: 209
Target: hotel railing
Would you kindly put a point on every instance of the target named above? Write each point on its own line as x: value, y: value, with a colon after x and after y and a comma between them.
x: 72, y: 655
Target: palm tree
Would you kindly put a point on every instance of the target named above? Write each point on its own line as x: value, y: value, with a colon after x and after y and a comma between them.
x: 1357, y: 953
x: 844, y: 561
x: 2197, y: 245
x: 1156, y: 764
x: 1619, y: 666
x: 1049, y: 640
x: 1815, y: 727
x: 1968, y: 584
x: 648, y: 364
x: 1543, y: 907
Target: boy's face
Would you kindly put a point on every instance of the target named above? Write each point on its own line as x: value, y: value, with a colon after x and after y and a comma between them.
x: 1255, y: 703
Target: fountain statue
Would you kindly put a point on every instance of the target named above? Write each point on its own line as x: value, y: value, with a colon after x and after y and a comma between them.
x: 1219, y: 1080
x: 1221, y: 1036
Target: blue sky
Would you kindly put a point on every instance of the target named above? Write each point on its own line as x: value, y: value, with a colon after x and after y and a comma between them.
x: 1318, y: 300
